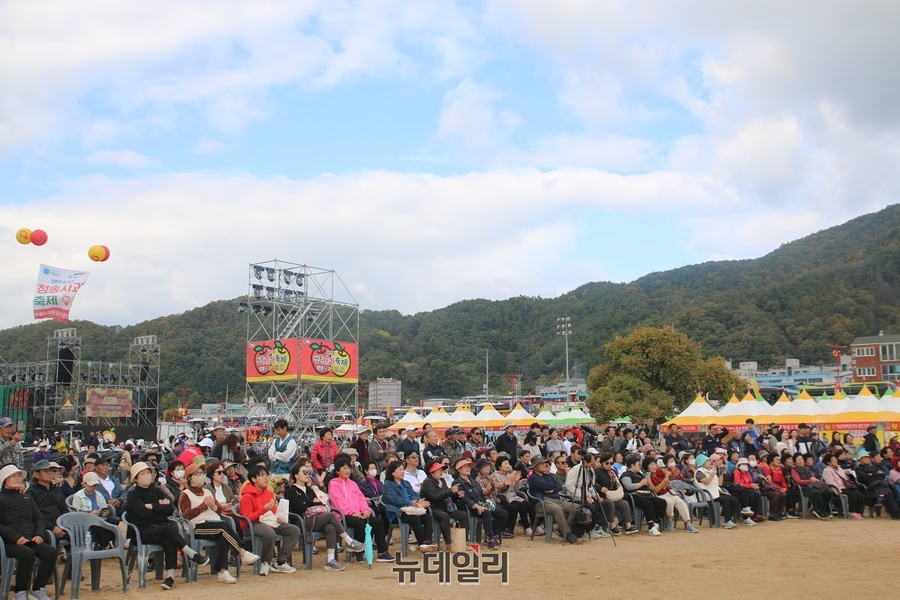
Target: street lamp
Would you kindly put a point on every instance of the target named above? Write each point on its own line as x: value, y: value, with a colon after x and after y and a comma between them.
x: 564, y: 328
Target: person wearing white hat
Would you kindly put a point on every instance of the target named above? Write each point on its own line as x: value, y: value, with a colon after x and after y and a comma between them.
x: 149, y: 510
x: 24, y: 530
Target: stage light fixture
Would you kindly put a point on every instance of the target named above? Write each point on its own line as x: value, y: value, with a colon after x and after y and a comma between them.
x: 288, y: 277
x: 299, y: 281
x: 243, y: 307
x: 270, y: 274
x: 258, y: 271
x: 270, y: 293
x: 258, y: 291
x: 84, y: 376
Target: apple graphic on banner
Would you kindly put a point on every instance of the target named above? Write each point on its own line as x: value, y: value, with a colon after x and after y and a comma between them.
x: 320, y: 359
x: 281, y: 359
x: 341, y: 364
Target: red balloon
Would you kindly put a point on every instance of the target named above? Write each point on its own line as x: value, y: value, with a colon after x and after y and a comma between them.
x: 38, y: 237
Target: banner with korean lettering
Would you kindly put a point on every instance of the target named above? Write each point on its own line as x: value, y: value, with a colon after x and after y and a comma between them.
x: 111, y: 403
x: 331, y: 361
x: 272, y: 360
x: 55, y: 292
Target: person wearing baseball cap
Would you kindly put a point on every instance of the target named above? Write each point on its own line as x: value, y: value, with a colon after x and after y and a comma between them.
x: 42, y: 452
x: 409, y: 443
x: 48, y: 497
x: 197, y: 504
x: 149, y: 510
x: 23, y: 530
x: 11, y: 444
x: 110, y: 487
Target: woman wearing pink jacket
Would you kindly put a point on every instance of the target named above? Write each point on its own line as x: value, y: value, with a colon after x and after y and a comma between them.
x: 346, y: 496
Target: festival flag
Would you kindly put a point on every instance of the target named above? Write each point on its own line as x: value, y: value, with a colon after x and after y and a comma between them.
x: 55, y: 292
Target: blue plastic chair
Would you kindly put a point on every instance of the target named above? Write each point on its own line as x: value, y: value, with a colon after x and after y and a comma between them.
x: 201, y: 545
x: 76, y: 524
x: 8, y: 567
x: 255, y: 540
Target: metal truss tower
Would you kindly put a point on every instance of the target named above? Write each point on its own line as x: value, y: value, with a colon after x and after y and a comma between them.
x: 45, y: 394
x: 289, y: 300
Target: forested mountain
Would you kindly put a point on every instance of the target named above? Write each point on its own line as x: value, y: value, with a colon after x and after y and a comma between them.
x: 829, y: 287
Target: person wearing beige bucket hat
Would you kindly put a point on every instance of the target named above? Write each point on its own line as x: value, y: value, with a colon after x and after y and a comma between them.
x: 24, y: 532
x: 197, y: 505
x: 149, y: 510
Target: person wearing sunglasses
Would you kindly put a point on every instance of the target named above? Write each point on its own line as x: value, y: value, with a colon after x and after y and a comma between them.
x: 219, y: 488
x: 200, y: 508
x: 303, y: 495
x: 412, y: 473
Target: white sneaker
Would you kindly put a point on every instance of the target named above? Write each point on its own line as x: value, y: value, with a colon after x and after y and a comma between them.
x: 38, y: 594
x: 655, y: 530
x: 748, y: 522
x: 226, y: 577
x: 730, y: 525
x: 20, y: 596
x: 249, y: 558
x: 746, y: 511
x: 264, y: 569
x: 282, y: 568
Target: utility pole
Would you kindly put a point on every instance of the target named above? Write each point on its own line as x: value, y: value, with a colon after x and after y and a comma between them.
x: 564, y: 328
x: 487, y: 379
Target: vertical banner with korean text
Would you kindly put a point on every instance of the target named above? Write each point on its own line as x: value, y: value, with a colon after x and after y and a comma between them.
x: 55, y: 292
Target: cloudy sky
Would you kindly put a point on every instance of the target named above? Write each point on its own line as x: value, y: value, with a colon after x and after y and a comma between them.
x: 430, y: 151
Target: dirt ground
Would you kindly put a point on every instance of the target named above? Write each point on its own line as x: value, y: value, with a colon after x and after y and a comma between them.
x: 792, y: 559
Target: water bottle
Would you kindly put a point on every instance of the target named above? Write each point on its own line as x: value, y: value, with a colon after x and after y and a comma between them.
x: 88, y: 540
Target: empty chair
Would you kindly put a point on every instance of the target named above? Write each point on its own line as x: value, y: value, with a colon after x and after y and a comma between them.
x: 77, y: 524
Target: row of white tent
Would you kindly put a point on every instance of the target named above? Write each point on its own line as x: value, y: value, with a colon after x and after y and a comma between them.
x: 488, y: 418
x: 838, y: 413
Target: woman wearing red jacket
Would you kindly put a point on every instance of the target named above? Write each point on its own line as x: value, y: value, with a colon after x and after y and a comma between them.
x: 258, y: 504
x: 749, y: 495
x: 324, y: 451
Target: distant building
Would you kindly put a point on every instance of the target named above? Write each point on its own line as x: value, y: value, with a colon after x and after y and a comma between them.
x: 384, y: 392
x: 876, y: 357
x: 793, y: 374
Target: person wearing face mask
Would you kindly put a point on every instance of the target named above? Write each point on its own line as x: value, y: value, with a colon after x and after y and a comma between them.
x: 661, y: 484
x: 175, y: 480
x: 762, y: 475
x: 672, y: 469
x: 748, y: 494
x: 708, y: 477
x: 304, y: 495
x: 149, y: 511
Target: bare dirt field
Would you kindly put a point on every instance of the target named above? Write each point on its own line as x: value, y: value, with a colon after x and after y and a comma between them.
x: 791, y: 559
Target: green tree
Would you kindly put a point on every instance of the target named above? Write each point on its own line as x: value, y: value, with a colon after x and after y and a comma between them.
x: 666, y: 361
x: 624, y: 395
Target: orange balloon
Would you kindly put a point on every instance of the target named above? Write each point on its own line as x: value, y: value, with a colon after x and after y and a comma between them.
x: 23, y: 236
x: 97, y: 253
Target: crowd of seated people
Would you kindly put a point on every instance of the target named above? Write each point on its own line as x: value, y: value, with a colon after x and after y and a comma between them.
x: 592, y: 488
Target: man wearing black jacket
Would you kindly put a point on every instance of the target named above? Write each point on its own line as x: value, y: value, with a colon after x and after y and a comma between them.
x: 507, y: 441
x: 47, y: 497
x: 714, y: 438
x: 24, y: 532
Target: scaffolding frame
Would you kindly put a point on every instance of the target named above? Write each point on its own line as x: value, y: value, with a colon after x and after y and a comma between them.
x: 56, y: 388
x: 292, y: 300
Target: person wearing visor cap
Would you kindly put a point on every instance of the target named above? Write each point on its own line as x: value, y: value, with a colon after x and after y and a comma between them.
x: 43, y: 452
x: 24, y: 532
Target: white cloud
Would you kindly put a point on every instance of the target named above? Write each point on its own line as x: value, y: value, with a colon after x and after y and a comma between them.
x: 224, y: 57
x: 124, y: 159
x: 470, y: 118
x: 406, y: 241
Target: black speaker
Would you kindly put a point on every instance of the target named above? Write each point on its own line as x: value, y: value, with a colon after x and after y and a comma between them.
x: 65, y: 358
x: 145, y: 372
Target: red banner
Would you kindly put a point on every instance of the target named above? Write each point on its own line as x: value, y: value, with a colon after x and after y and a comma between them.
x: 110, y: 403
x: 272, y: 360
x: 325, y: 360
